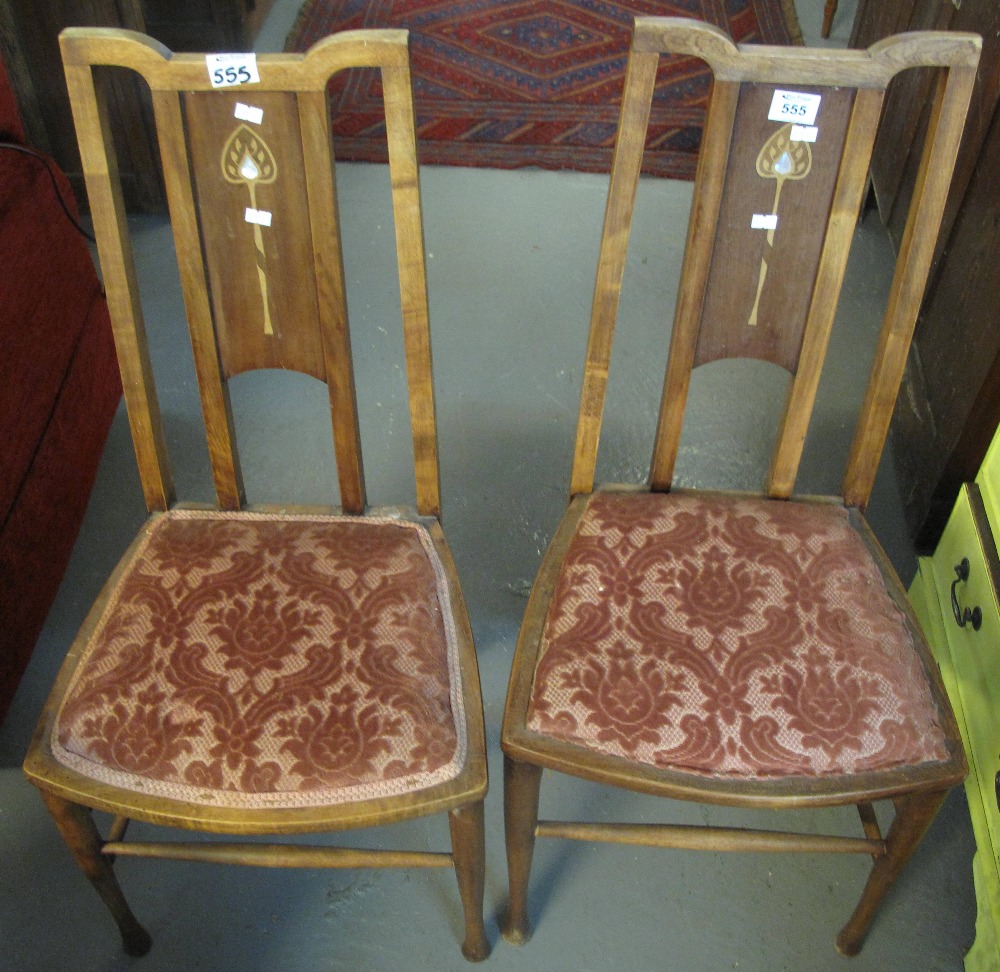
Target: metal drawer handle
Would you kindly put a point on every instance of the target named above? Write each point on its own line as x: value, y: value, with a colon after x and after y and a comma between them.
x: 962, y: 618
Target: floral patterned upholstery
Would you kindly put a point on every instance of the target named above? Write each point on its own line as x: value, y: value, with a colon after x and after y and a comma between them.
x: 250, y: 660
x: 734, y: 637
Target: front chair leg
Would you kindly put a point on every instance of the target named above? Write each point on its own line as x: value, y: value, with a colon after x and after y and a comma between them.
x: 914, y: 814
x: 521, y: 784
x: 78, y: 830
x: 468, y: 848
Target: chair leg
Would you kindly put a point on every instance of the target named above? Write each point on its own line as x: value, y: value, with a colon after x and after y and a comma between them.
x: 914, y: 814
x: 828, y: 13
x: 76, y: 825
x: 521, y: 784
x: 468, y: 848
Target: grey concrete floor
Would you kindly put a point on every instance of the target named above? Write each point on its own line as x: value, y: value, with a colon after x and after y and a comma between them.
x: 511, y: 263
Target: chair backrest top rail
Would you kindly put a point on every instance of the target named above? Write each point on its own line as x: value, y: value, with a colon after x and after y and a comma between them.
x: 874, y: 67
x: 165, y: 70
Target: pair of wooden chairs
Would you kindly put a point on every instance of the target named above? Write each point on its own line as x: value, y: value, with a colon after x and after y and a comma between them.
x: 255, y: 670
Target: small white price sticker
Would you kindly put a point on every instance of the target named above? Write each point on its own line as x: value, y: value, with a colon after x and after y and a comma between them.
x: 794, y: 106
x: 248, y: 113
x: 768, y: 221
x: 804, y: 133
x: 261, y: 217
x: 232, y: 70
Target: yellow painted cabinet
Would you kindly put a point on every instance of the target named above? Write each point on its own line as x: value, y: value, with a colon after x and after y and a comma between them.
x: 955, y: 597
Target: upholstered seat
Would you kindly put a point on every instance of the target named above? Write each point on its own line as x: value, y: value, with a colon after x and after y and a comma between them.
x: 743, y: 638
x: 271, y: 661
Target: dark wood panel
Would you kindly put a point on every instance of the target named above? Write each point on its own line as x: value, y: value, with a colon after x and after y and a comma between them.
x: 29, y: 45
x: 950, y: 401
x: 217, y: 25
x: 895, y: 161
x: 762, y: 271
x: 252, y: 267
x: 897, y: 154
x: 30, y: 48
x: 942, y: 442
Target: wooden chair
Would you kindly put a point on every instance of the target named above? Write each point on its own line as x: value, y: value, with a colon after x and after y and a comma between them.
x: 254, y: 670
x: 746, y: 650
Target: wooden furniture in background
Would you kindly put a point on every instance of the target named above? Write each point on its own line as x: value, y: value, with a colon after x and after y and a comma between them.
x: 741, y: 649
x: 29, y: 44
x: 215, y: 25
x: 259, y: 670
x: 950, y: 405
x: 956, y: 594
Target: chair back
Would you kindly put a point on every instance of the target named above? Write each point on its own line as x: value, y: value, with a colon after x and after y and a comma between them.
x: 248, y: 166
x: 781, y: 180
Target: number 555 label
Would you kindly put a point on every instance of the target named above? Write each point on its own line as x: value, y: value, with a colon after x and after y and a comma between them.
x: 231, y: 70
x: 794, y: 106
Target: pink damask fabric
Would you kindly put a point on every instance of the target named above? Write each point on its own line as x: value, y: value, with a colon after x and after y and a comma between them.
x: 741, y: 638
x: 249, y: 660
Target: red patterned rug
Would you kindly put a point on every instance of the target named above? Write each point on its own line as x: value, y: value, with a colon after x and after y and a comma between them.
x: 515, y: 84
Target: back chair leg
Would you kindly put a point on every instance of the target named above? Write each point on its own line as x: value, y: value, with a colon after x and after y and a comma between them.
x: 468, y: 847
x: 914, y: 814
x: 521, y: 785
x: 829, y: 11
x: 76, y: 825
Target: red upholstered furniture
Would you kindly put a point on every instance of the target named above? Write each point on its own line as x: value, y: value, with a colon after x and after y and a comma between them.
x: 59, y: 388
